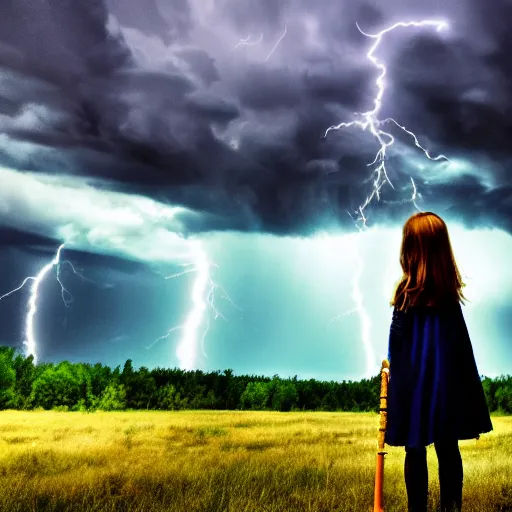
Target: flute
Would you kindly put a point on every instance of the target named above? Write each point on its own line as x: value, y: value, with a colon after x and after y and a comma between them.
x: 383, y: 411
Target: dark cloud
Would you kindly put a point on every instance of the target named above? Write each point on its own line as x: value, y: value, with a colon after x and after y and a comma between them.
x: 213, y: 109
x: 246, y: 15
x: 167, y: 20
x: 10, y: 237
x: 261, y: 88
x: 201, y: 64
x: 159, y: 101
x: 60, y: 42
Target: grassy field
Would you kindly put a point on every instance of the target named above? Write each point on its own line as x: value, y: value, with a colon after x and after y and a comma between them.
x: 224, y: 461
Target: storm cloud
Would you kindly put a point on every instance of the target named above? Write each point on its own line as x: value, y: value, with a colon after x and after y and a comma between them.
x: 193, y: 104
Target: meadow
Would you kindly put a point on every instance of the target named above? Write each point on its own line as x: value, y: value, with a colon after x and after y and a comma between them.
x: 236, y: 461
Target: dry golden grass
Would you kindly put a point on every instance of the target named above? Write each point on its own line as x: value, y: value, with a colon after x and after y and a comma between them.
x: 224, y: 461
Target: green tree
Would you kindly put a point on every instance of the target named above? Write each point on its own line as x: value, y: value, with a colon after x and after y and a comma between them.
x: 235, y: 388
x: 142, y: 391
x: 503, y: 395
x: 101, y: 376
x: 210, y: 400
x: 285, y: 397
x: 168, y: 399
x: 140, y: 387
x: 7, y: 378
x: 25, y: 375
x: 196, y: 396
x: 57, y: 386
x: 113, y: 398
x: 255, y: 396
x: 489, y: 387
x: 309, y: 391
x: 329, y: 401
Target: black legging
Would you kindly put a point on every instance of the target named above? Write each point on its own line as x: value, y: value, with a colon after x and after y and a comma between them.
x: 450, y: 476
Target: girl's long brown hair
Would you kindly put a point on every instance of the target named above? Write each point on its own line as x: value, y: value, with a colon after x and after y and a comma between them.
x: 430, y: 273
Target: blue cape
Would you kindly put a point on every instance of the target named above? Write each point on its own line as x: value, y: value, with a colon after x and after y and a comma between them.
x: 434, y: 387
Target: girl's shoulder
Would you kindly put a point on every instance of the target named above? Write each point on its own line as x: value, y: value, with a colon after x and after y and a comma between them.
x: 431, y: 308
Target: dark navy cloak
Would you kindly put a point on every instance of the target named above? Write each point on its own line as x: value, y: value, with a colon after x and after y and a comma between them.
x: 434, y: 387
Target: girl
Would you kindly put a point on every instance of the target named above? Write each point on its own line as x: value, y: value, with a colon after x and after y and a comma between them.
x: 435, y: 393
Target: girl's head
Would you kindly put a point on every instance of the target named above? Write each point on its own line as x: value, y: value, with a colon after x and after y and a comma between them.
x: 430, y: 273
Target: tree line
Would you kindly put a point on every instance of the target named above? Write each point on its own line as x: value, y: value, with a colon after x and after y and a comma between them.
x: 88, y: 387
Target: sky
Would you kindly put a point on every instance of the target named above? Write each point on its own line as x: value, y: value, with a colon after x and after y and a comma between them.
x: 214, y: 214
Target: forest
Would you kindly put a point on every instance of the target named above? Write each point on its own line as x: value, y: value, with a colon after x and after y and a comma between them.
x: 87, y: 387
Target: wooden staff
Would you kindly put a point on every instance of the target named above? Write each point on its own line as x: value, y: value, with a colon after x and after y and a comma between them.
x: 379, y: 471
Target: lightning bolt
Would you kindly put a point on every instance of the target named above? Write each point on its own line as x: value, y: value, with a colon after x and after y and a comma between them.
x: 202, y: 297
x: 412, y: 200
x: 371, y: 120
x: 30, y: 337
x: 247, y: 42
x: 357, y: 297
x: 186, y: 350
x: 414, y: 194
x: 276, y: 45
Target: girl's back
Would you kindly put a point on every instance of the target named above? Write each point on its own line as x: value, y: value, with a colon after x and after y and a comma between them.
x: 435, y: 389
